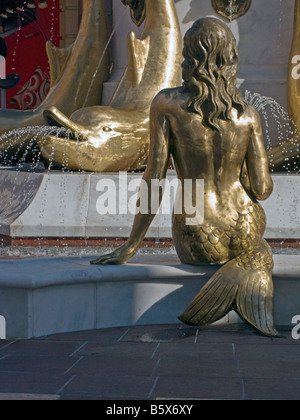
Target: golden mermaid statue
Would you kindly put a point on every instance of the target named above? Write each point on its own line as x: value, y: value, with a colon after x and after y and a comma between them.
x: 212, y: 134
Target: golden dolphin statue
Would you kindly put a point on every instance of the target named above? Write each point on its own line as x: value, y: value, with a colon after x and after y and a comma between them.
x: 116, y: 137
x: 73, y: 71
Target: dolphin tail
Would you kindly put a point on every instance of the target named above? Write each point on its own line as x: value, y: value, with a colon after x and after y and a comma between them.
x: 58, y: 60
x: 243, y: 284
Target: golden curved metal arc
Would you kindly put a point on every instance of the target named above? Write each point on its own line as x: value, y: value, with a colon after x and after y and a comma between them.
x: 231, y: 9
x: 289, y: 149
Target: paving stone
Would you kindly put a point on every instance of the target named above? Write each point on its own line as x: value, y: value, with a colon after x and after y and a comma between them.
x: 42, y: 347
x: 120, y: 349
x: 269, y: 369
x: 3, y: 343
x: 83, y: 396
x: 216, y: 362
x: 114, y: 366
x: 233, y: 338
x: 272, y: 389
x: 198, y: 388
x: 36, y: 364
x: 276, y: 353
x: 31, y: 383
x: 196, y: 367
x: 114, y: 387
x: 28, y: 397
x: 161, y: 334
x: 103, y: 335
x: 205, y: 351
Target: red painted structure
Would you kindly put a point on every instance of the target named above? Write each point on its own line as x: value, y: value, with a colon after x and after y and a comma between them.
x: 26, y: 32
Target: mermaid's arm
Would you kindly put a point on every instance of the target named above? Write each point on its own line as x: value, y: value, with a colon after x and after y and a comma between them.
x: 148, y: 205
x: 158, y: 161
x: 257, y: 162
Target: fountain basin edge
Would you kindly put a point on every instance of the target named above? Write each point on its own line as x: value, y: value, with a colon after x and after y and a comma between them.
x: 64, y: 205
x: 46, y: 296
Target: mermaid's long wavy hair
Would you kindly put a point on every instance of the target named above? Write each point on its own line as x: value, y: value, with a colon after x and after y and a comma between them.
x: 209, y: 72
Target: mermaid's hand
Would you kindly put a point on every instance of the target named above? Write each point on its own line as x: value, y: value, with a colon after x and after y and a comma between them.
x: 119, y: 256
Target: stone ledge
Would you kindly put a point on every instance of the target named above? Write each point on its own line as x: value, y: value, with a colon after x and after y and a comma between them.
x: 61, y: 271
x: 57, y: 295
x: 37, y: 273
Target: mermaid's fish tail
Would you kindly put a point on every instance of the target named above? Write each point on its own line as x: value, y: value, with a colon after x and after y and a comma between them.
x: 244, y: 284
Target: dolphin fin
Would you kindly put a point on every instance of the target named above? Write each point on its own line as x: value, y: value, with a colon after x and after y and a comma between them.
x: 138, y: 51
x: 58, y: 59
x: 244, y: 284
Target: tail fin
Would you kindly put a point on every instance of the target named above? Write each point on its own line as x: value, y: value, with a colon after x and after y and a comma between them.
x: 213, y: 302
x: 254, y: 302
x: 246, y: 288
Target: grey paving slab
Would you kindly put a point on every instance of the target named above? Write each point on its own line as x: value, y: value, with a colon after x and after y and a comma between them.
x: 114, y: 366
x: 109, y: 335
x: 4, y: 343
x: 53, y: 364
x: 204, y: 351
x: 41, y: 348
x: 223, y: 362
x: 110, y: 387
x: 28, y: 397
x: 117, y: 350
x: 31, y: 383
x: 272, y: 389
x: 279, y: 353
x: 269, y: 369
x: 223, y: 336
x: 196, y: 367
x: 198, y: 388
x: 160, y: 333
